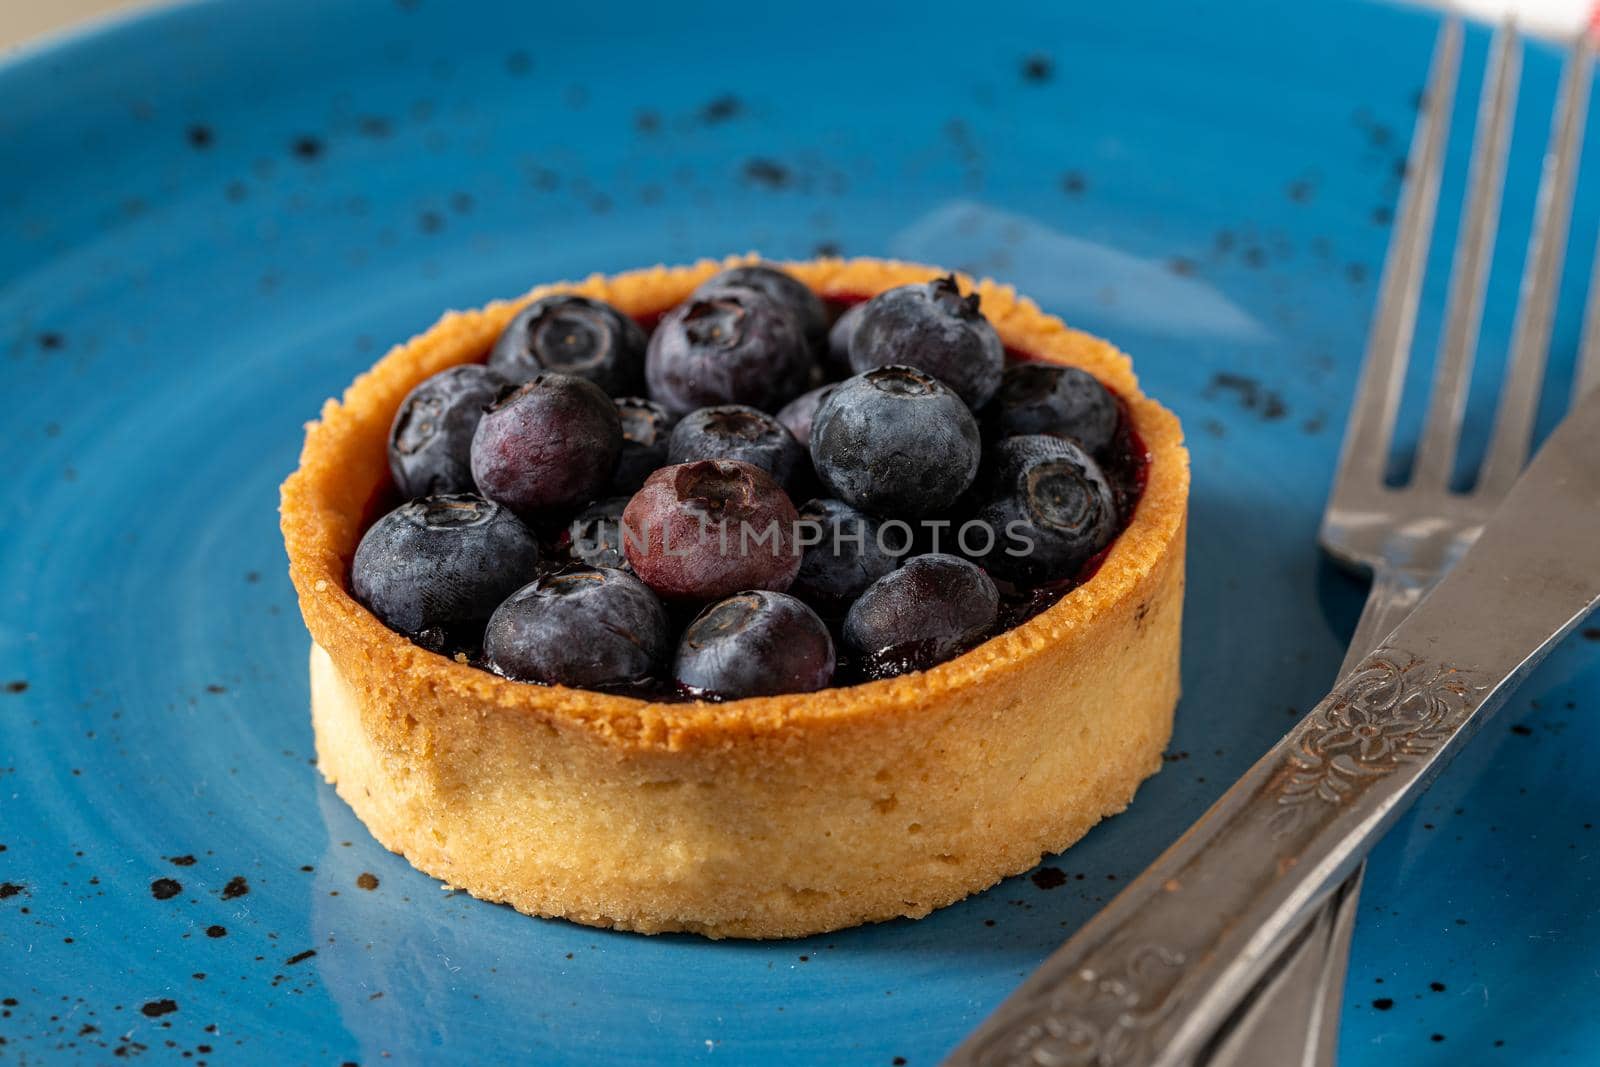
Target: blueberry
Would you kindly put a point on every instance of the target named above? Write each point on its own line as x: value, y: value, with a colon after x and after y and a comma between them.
x: 934, y: 328
x: 430, y: 440
x: 596, y: 534
x: 755, y: 644
x: 1049, y: 506
x: 1060, y: 401
x: 895, y: 441
x: 439, y: 565
x: 552, y: 442
x: 731, y: 346
x: 733, y: 431
x: 645, y: 426
x: 843, y: 552
x: 932, y: 608
x: 798, y: 414
x: 783, y: 289
x: 706, y: 530
x: 589, y: 627
x: 573, y: 335
x: 844, y: 328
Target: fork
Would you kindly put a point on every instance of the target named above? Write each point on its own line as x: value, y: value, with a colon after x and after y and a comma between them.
x: 1409, y: 536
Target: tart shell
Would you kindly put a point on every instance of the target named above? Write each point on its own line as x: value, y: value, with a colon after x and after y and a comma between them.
x: 767, y: 817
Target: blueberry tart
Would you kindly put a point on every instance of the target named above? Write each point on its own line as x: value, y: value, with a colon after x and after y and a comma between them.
x: 744, y: 599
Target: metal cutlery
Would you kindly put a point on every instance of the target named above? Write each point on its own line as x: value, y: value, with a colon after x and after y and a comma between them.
x: 1235, y: 962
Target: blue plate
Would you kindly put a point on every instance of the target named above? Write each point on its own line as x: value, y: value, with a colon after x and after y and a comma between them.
x: 212, y: 217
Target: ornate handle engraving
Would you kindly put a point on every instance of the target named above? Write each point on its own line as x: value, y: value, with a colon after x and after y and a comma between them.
x: 1393, y: 709
x: 1092, y: 1019
x: 1115, y: 995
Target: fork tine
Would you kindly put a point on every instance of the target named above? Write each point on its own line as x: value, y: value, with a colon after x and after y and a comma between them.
x: 1588, y: 376
x: 1469, y: 274
x: 1541, y: 276
x: 1371, y: 427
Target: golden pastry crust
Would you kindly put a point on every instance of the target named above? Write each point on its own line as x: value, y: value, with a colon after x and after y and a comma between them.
x: 765, y: 817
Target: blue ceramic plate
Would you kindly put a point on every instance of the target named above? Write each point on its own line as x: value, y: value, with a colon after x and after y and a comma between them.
x: 214, y: 216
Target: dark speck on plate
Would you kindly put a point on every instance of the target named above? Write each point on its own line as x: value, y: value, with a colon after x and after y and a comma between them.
x: 366, y: 880
x: 9, y: 889
x: 18, y: 686
x: 307, y: 148
x: 1037, y: 69
x: 236, y: 887
x: 1073, y: 183
x: 519, y: 62
x: 767, y: 173
x: 200, y: 136
x: 216, y: 931
x: 1522, y: 731
x: 157, y: 1008
x: 165, y: 888
x: 1049, y: 877
x: 1383, y: 1003
x: 51, y: 341
x: 721, y: 109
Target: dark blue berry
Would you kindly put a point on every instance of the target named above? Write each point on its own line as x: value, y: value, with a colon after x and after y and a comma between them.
x: 430, y: 440
x: 573, y: 335
x: 1050, y: 507
x: 1060, y: 401
x: 701, y: 531
x: 934, y: 328
x: 798, y: 414
x: 588, y: 627
x: 895, y: 441
x: 596, y: 534
x: 843, y: 552
x: 645, y: 427
x: 731, y: 346
x: 733, y: 431
x: 440, y: 565
x: 753, y: 644
x: 930, y: 609
x: 551, y: 443
x: 783, y: 289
